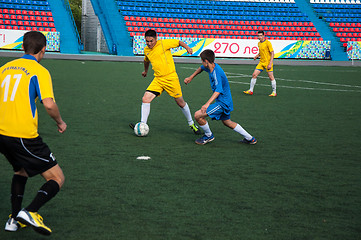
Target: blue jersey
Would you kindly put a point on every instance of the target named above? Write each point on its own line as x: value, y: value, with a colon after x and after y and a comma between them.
x: 219, y: 83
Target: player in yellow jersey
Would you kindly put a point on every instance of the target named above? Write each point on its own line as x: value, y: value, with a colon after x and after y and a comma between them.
x: 266, y: 55
x: 23, y: 82
x: 158, y: 53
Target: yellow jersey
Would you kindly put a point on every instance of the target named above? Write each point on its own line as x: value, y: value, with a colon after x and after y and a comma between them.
x: 161, y: 57
x: 23, y: 81
x: 265, y: 49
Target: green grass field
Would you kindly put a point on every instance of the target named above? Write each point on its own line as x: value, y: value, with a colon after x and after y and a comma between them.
x: 301, y: 181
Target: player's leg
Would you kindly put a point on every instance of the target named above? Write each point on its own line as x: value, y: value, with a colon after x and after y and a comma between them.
x: 54, y: 181
x: 17, y: 194
x: 187, y: 113
x: 7, y: 146
x: 148, y: 97
x: 173, y: 88
x: 248, y: 138
x: 200, y: 117
x: 273, y: 83
x: 255, y: 74
x: 37, y: 158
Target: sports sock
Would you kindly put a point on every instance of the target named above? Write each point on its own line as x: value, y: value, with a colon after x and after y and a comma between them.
x: 273, y: 83
x: 187, y: 113
x: 243, y: 132
x: 46, y: 192
x: 206, y: 129
x: 145, y: 112
x: 253, y: 82
x: 17, y: 193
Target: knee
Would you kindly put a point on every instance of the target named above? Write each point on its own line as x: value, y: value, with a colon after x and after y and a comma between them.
x: 197, y: 115
x: 145, y: 99
x: 60, y: 180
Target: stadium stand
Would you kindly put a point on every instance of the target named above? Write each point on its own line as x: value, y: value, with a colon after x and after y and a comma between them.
x: 343, y: 17
x: 218, y: 19
x: 26, y: 15
x: 41, y: 15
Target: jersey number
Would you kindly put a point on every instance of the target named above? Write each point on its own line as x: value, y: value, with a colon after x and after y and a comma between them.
x: 6, y: 84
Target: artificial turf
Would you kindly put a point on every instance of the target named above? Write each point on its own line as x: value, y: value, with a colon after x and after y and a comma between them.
x: 300, y: 181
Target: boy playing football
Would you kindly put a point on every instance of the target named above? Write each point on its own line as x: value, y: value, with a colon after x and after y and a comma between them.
x: 222, y: 107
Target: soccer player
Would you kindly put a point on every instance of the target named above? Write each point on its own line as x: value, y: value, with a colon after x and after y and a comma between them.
x: 222, y: 107
x: 266, y: 55
x: 158, y: 53
x: 23, y: 81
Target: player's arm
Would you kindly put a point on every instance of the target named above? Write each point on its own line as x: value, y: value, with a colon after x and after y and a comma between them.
x: 209, y: 102
x: 184, y: 45
x: 146, y: 67
x: 52, y: 109
x: 271, y: 60
x: 255, y: 57
x: 190, y: 78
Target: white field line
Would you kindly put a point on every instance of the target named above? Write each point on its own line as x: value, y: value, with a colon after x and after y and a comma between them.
x: 249, y: 76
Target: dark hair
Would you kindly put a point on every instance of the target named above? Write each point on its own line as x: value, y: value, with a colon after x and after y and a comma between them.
x: 33, y: 42
x: 150, y: 33
x: 261, y: 31
x: 208, y: 54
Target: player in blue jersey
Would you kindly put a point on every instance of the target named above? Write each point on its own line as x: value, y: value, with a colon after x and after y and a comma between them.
x: 223, y: 105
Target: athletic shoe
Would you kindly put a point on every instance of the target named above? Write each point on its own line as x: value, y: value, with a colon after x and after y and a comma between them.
x: 248, y: 92
x: 131, y: 125
x: 195, y: 129
x: 33, y: 219
x: 12, y: 225
x: 252, y: 141
x: 203, y: 140
x: 273, y: 94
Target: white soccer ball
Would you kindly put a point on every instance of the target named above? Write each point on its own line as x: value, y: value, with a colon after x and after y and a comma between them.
x: 141, y: 129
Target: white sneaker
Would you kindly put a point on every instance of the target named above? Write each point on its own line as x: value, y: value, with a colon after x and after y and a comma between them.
x: 12, y: 225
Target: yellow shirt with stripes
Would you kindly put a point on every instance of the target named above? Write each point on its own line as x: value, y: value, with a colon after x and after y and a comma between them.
x: 23, y: 81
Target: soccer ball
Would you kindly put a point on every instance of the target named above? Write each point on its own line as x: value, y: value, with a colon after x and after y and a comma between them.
x: 141, y: 129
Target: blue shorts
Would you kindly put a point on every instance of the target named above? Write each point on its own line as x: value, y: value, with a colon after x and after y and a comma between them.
x: 217, y: 112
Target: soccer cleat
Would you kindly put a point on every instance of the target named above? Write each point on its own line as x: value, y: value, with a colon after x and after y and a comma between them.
x: 248, y: 92
x: 195, y: 129
x: 33, y: 219
x: 203, y: 140
x: 252, y: 141
x: 131, y: 125
x: 273, y: 94
x: 12, y: 225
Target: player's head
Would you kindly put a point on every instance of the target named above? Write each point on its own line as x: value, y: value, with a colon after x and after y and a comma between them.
x: 260, y: 35
x: 34, y: 42
x: 150, y: 38
x: 207, y: 55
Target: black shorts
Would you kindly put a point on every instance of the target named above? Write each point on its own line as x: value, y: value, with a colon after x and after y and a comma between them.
x: 32, y: 154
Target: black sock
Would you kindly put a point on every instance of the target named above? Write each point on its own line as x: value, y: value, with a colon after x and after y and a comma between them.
x: 46, y: 192
x: 17, y: 193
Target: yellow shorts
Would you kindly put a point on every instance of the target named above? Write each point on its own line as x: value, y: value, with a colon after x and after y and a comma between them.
x: 263, y: 66
x: 169, y: 83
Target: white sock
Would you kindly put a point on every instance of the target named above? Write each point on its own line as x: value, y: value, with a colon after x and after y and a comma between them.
x: 253, y: 82
x: 187, y: 113
x: 206, y: 129
x: 243, y: 132
x: 273, y: 83
x: 145, y: 112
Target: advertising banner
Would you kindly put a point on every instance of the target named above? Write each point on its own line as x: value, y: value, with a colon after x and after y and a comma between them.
x: 245, y: 48
x: 13, y: 39
x: 354, y: 50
